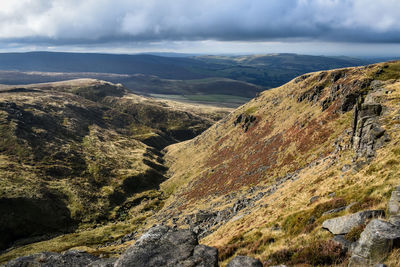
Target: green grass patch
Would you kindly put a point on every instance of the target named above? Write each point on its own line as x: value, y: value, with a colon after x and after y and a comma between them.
x: 251, y: 110
x: 388, y: 72
x: 306, y: 221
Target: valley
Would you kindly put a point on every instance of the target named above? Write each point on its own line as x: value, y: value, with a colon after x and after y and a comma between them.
x: 90, y: 166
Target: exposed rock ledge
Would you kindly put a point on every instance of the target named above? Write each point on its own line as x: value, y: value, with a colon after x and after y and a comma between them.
x: 160, y: 246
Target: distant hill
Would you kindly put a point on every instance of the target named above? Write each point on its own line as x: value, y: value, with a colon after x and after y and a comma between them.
x: 234, y: 79
x: 165, y: 67
x: 265, y: 70
x: 274, y: 69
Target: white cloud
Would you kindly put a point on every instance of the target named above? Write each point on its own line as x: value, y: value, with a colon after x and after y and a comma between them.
x: 101, y: 21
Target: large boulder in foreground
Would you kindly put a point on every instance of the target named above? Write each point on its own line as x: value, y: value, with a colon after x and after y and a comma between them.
x: 244, y: 261
x: 375, y: 243
x: 164, y: 246
x: 343, y: 225
x: 68, y: 258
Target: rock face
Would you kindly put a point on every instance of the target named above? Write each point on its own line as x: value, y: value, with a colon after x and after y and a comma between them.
x: 244, y: 261
x: 368, y: 135
x: 246, y: 121
x: 394, y: 207
x: 346, y: 244
x: 69, y: 258
x: 163, y: 246
x: 343, y: 225
x: 375, y: 243
x: 160, y: 246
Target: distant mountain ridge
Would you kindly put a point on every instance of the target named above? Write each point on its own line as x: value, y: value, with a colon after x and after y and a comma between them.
x: 181, y: 68
x: 212, y: 79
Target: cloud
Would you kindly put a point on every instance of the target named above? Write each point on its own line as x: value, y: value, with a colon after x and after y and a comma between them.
x: 61, y: 22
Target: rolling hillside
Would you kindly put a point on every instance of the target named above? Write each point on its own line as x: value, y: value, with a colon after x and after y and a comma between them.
x: 75, y: 154
x: 267, y: 180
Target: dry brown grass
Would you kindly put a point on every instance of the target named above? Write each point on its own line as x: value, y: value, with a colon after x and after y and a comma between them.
x: 194, y: 173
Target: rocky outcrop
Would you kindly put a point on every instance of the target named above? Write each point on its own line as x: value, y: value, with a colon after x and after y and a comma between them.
x: 375, y: 243
x: 158, y: 247
x: 244, y: 261
x: 311, y: 95
x: 204, y: 222
x: 394, y: 207
x: 164, y: 246
x: 368, y: 135
x: 69, y: 258
x: 343, y: 225
x: 245, y: 121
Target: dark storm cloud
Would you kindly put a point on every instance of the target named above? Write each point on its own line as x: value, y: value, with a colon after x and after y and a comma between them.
x: 61, y: 22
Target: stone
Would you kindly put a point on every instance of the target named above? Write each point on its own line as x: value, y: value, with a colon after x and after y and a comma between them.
x: 349, y: 101
x: 103, y: 263
x: 313, y: 199
x: 375, y: 243
x: 343, y: 225
x: 346, y: 167
x: 393, y: 205
x: 203, y: 216
x: 51, y: 259
x: 346, y: 244
x: 244, y: 261
x: 165, y: 246
x: 368, y: 135
x: 204, y: 256
x: 395, y: 219
x: 334, y: 210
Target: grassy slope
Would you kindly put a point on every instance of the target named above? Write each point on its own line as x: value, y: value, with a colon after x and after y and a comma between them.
x: 288, y: 136
x: 79, y: 144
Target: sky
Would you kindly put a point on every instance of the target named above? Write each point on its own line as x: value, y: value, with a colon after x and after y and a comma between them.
x: 323, y: 27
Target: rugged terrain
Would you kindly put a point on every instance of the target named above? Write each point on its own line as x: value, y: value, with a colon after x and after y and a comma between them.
x: 78, y: 154
x: 271, y: 180
x: 264, y: 178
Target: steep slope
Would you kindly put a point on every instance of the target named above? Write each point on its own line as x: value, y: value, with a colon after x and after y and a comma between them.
x: 83, y: 152
x: 260, y: 181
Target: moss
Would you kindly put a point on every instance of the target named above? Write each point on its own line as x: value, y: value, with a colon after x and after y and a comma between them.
x: 355, y: 233
x: 250, y: 110
x: 373, y: 168
x: 306, y: 221
x: 388, y: 72
x: 396, y: 151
